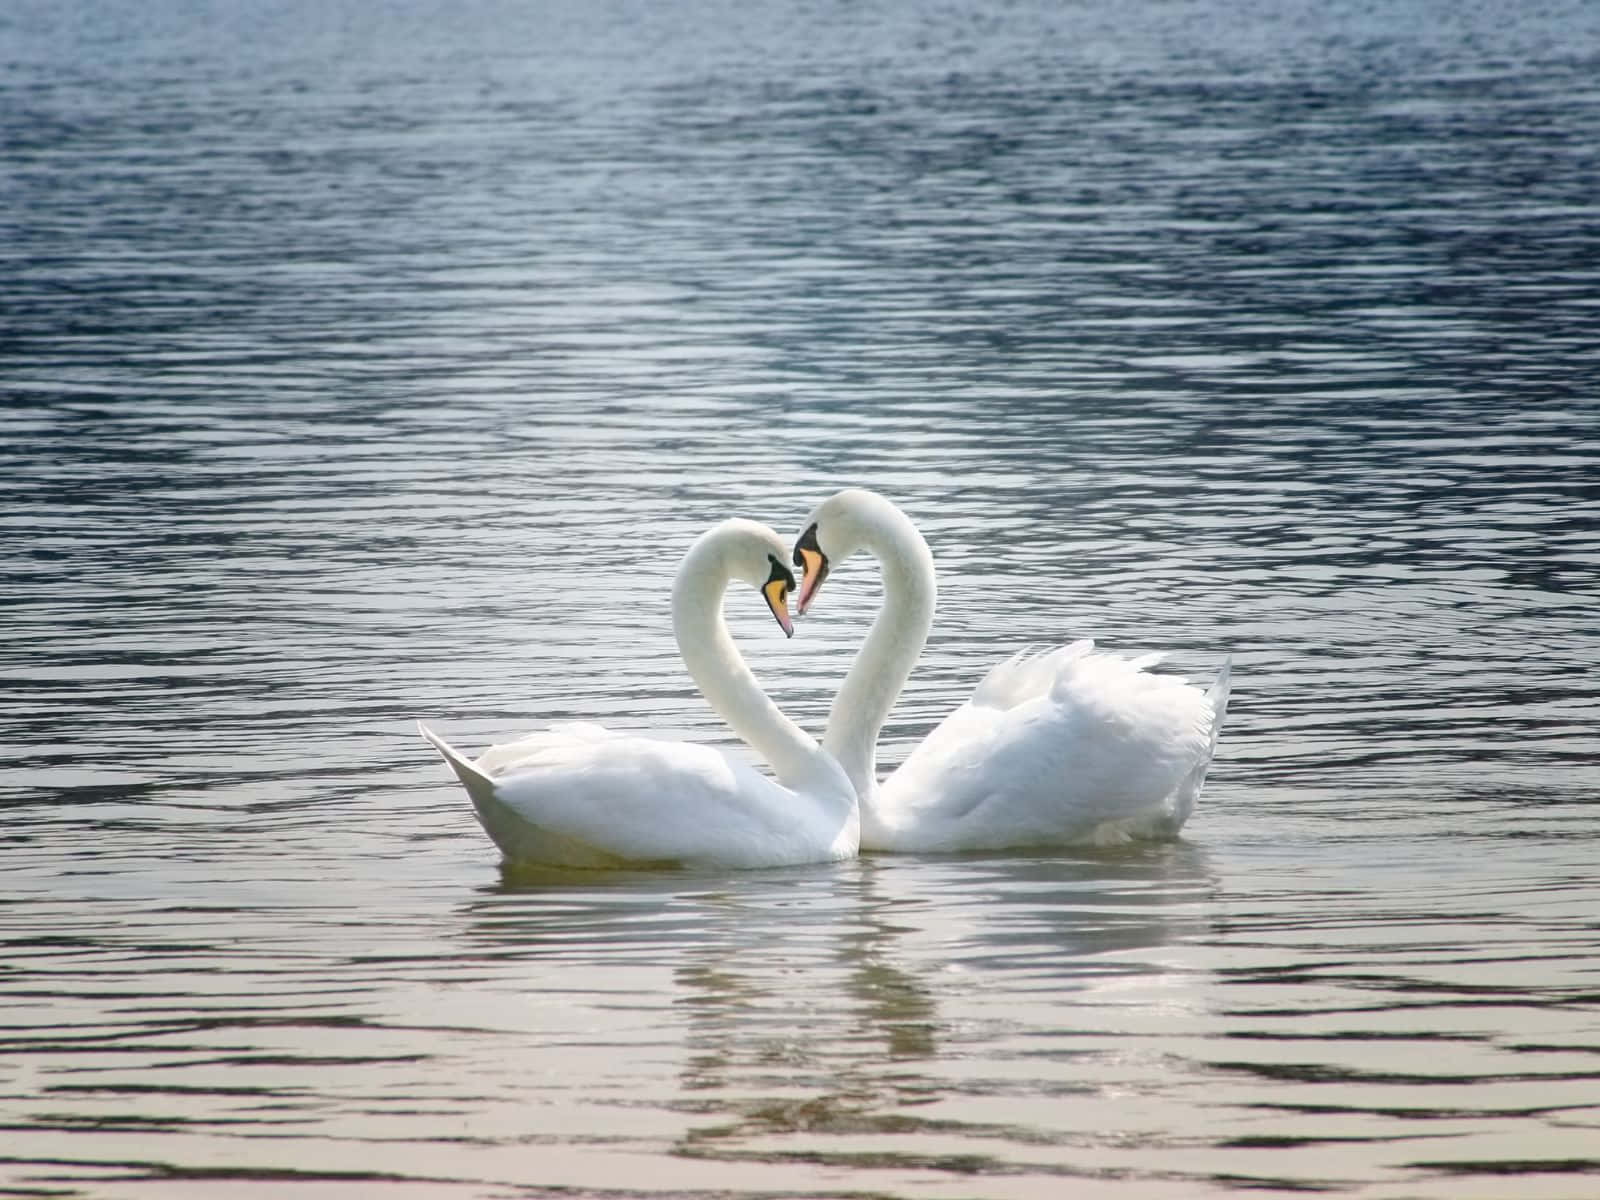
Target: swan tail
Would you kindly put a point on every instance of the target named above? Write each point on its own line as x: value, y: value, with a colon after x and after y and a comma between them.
x: 478, y: 784
x: 1189, y: 790
x: 1218, y: 694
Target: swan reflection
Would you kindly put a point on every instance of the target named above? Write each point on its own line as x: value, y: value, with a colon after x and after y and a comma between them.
x: 836, y: 1000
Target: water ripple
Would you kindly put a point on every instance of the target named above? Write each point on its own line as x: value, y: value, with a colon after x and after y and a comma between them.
x: 358, y: 371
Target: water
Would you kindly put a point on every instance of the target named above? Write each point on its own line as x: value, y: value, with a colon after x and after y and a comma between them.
x: 367, y: 363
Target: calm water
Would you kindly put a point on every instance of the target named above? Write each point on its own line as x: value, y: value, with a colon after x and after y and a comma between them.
x: 367, y: 362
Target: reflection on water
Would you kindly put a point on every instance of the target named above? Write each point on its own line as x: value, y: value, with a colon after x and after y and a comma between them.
x: 357, y: 370
x: 817, y: 1014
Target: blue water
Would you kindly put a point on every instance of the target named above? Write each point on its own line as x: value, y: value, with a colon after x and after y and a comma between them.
x: 362, y: 363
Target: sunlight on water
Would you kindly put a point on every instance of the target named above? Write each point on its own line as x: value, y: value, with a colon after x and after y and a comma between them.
x: 364, y: 371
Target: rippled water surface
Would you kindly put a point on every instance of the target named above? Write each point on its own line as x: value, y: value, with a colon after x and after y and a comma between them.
x: 364, y: 363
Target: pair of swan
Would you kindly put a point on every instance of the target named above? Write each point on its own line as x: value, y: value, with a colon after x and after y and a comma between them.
x: 1064, y: 746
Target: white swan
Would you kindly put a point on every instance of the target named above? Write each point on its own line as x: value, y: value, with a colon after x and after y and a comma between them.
x: 1065, y: 746
x: 581, y: 795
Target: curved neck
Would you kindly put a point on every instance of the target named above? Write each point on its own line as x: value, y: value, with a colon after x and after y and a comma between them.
x: 892, y: 647
x: 719, y: 671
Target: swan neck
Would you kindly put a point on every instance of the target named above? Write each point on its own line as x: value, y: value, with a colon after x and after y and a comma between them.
x: 724, y: 679
x: 893, y: 645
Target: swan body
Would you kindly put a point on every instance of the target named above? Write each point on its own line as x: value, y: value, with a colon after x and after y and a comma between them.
x: 1070, y: 745
x: 581, y: 795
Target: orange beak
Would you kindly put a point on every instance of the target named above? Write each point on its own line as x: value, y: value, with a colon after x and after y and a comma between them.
x: 777, y: 593
x: 815, y: 564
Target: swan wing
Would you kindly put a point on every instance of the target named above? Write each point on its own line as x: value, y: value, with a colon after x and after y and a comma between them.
x: 642, y: 799
x: 582, y: 795
x: 1027, y: 674
x: 1065, y: 746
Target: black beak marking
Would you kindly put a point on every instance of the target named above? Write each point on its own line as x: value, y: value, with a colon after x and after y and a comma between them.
x: 807, y: 541
x: 779, y: 571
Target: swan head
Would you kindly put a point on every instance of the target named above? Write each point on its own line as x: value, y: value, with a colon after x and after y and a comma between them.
x: 835, y: 530
x: 753, y: 553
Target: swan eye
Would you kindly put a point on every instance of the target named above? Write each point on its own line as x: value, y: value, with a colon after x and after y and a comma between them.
x: 779, y: 572
x: 807, y: 541
x: 809, y: 557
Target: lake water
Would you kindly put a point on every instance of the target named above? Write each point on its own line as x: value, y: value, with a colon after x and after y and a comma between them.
x: 364, y: 363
